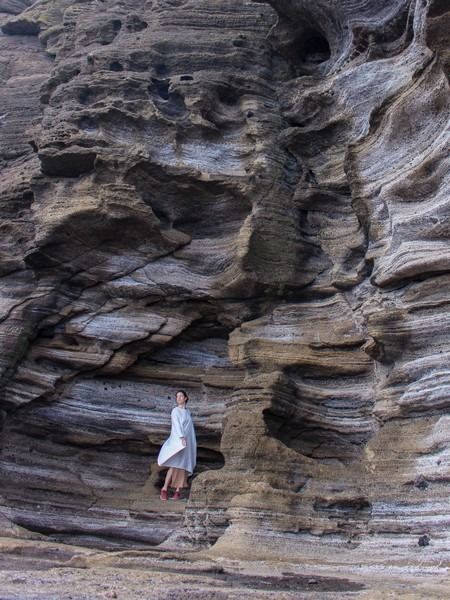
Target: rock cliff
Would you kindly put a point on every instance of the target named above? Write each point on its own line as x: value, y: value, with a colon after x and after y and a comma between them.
x: 249, y: 201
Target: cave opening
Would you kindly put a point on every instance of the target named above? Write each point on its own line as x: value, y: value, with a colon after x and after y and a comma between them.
x: 314, y: 48
x: 305, y: 49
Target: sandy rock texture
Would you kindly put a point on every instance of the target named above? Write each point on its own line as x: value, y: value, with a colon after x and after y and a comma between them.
x: 41, y: 570
x: 249, y: 201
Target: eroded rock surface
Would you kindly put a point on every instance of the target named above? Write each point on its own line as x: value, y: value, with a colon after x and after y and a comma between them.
x: 249, y: 201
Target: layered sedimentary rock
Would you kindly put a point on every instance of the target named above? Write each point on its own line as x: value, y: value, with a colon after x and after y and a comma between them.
x: 248, y: 201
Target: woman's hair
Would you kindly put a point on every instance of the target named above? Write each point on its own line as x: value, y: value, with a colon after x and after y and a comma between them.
x: 184, y: 394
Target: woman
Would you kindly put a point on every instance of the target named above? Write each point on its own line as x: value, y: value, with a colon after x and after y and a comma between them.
x: 179, y: 452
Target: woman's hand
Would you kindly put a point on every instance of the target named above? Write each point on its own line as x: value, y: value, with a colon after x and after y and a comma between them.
x: 183, y: 441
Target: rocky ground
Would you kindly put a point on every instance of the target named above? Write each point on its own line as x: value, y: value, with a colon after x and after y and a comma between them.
x: 34, y: 570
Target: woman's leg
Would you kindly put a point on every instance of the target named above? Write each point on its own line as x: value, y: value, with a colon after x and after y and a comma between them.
x: 178, y: 479
x: 168, y: 479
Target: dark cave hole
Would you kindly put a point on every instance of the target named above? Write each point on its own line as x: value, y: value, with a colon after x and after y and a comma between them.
x: 84, y: 96
x: 115, y: 66
x: 227, y: 96
x: 69, y: 164
x: 70, y: 340
x: 21, y: 27
x: 240, y: 41
x: 305, y: 49
x: 162, y: 87
x: 310, y: 177
x: 169, y: 102
x: 117, y: 25
x: 161, y: 69
x: 135, y: 24
x: 292, y: 170
x: 340, y: 508
x: 186, y: 78
x: 176, y: 106
x: 315, y: 48
x: 164, y: 218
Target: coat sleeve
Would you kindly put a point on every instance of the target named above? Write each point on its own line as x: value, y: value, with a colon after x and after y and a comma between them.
x: 177, y: 426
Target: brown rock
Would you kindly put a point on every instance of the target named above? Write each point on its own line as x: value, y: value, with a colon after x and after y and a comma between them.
x: 250, y: 201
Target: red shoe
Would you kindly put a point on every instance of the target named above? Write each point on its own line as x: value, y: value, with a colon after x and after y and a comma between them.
x: 176, y: 496
x: 163, y: 495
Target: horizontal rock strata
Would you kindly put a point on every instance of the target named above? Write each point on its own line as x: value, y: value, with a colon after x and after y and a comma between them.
x: 249, y: 201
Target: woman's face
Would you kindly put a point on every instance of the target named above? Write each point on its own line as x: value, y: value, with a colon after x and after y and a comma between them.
x: 181, y: 399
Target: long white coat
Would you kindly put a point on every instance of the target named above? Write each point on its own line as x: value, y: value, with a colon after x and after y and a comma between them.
x: 173, y: 453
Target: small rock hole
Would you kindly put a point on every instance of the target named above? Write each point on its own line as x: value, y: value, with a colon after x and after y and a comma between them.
x: 115, y: 66
x: 424, y: 540
x: 162, y: 88
x: 117, y: 25
x: 160, y: 69
x: 135, y: 24
x: 421, y: 483
x: 240, y: 41
x: 83, y: 96
x: 310, y: 177
x: 186, y: 78
x: 227, y: 97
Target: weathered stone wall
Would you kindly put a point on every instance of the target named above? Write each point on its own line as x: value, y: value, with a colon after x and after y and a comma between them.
x: 249, y: 201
